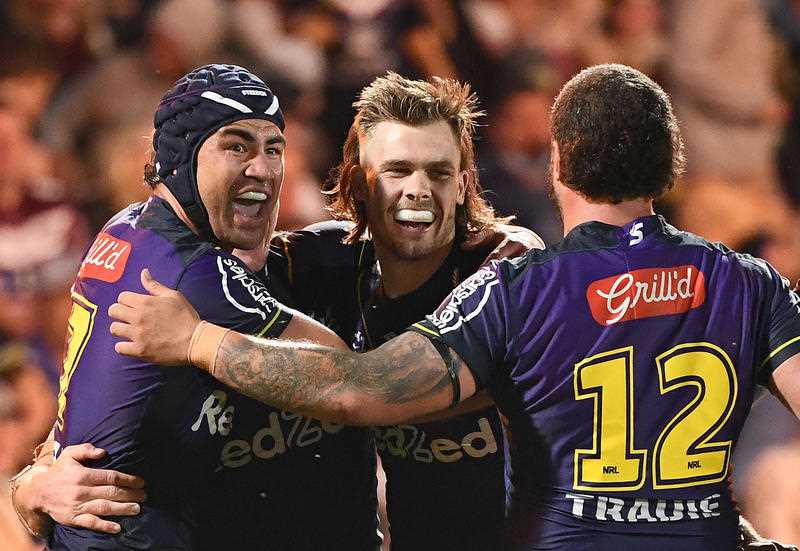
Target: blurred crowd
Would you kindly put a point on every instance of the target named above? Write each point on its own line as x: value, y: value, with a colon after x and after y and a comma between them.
x: 79, y: 81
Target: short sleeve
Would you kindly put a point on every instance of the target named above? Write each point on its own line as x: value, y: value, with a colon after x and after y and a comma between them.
x: 783, y: 326
x: 225, y: 292
x: 473, y: 321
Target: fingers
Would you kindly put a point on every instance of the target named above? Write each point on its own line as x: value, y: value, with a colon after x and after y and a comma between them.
x: 129, y: 298
x: 122, y: 330
x: 108, y: 508
x: 83, y: 452
x: 132, y: 349
x: 151, y: 285
x: 113, y: 494
x: 109, y: 478
x: 96, y: 524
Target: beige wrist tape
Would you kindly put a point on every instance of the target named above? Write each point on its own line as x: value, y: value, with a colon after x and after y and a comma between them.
x: 204, y: 345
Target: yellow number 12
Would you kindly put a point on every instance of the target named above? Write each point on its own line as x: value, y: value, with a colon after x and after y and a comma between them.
x: 684, y: 453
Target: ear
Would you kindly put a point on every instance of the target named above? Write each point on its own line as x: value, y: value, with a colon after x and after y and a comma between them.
x: 358, y: 182
x: 555, y: 161
x: 463, y: 179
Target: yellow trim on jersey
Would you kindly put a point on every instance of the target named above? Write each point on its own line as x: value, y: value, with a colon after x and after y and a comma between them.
x: 777, y: 350
x: 270, y: 324
x: 426, y: 330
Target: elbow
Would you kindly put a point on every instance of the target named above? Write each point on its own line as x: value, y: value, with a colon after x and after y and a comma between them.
x: 356, y: 409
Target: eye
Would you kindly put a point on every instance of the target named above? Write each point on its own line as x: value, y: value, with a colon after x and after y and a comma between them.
x: 273, y: 150
x: 441, y: 174
x: 397, y: 172
x: 237, y: 147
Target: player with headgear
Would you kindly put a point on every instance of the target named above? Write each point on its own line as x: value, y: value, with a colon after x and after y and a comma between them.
x: 630, y: 350
x: 222, y: 471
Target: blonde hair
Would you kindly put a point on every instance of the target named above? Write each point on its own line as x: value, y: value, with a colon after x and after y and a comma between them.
x: 413, y: 102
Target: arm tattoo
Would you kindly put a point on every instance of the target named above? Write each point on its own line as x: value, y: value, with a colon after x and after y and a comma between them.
x: 315, y: 380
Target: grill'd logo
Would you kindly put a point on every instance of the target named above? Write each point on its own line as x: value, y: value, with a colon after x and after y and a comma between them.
x: 106, y: 259
x: 646, y: 293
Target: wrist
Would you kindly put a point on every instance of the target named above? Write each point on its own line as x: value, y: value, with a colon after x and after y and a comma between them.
x: 204, y: 345
x: 27, y: 502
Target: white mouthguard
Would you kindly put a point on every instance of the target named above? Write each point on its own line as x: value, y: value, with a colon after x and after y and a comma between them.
x: 253, y: 196
x: 410, y: 215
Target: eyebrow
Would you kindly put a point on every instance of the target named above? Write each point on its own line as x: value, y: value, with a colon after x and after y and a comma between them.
x: 401, y: 163
x: 250, y: 137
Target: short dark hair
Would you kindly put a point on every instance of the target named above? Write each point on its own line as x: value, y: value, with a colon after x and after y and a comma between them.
x: 617, y: 136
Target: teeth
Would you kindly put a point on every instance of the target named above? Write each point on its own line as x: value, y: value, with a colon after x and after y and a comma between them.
x: 411, y: 215
x: 253, y: 196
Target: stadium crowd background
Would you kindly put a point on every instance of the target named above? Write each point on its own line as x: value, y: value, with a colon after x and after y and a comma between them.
x: 79, y: 80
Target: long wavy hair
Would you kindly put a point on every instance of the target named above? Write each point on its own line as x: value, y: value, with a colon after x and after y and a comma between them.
x: 414, y: 102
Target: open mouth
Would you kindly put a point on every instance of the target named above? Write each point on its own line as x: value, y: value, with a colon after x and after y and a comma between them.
x: 414, y: 219
x: 249, y: 204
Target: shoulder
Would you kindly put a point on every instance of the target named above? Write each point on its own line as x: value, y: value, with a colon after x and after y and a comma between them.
x: 317, y: 247
x: 226, y: 292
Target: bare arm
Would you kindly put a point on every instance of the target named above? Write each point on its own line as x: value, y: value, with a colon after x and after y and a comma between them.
x: 403, y: 379
x: 477, y: 401
x: 785, y: 383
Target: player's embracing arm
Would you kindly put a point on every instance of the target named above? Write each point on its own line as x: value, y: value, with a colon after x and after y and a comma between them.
x: 782, y: 346
x: 411, y: 375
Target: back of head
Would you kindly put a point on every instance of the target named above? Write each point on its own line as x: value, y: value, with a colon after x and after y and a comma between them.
x: 199, y: 104
x: 617, y: 136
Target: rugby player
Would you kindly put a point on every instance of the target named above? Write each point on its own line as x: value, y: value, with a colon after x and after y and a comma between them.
x: 630, y: 349
x: 426, y: 131
x: 409, y: 183
x: 223, y: 471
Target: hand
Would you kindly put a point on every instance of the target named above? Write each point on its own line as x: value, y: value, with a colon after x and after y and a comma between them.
x: 158, y: 327
x: 508, y: 241
x: 74, y: 495
x: 750, y: 540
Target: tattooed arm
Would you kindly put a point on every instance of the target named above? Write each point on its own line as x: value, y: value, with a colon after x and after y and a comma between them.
x: 403, y: 379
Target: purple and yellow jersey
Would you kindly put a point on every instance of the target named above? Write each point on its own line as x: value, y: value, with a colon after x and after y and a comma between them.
x: 171, y: 426
x: 631, y: 355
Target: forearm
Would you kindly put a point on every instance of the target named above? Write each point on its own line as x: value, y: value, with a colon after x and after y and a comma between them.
x: 404, y: 378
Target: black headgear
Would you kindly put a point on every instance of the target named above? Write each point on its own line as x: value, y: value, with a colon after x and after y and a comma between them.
x: 199, y: 104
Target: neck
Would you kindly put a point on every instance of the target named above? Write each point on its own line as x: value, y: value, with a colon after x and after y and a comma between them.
x: 401, y: 276
x: 164, y: 193
x: 576, y: 210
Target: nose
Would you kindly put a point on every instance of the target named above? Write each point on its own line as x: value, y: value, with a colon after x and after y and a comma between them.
x: 417, y: 186
x: 257, y: 167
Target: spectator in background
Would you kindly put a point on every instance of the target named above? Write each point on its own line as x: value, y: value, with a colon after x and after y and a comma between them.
x: 122, y: 89
x: 515, y: 163
x: 37, y: 251
x: 42, y: 238
x: 301, y: 201
x: 633, y: 34
x: 362, y: 39
x: 721, y: 65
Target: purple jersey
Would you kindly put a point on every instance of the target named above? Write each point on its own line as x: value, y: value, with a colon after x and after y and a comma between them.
x: 222, y: 471
x: 631, y: 355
